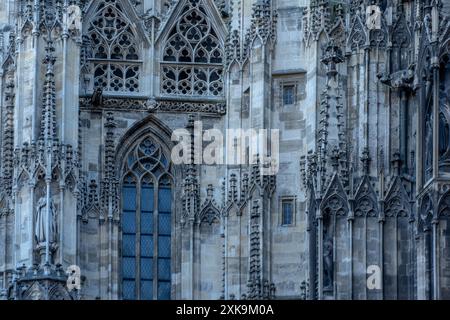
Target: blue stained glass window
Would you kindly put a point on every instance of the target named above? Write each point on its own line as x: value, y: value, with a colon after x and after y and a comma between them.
x: 147, y: 198
x: 153, y: 266
x: 165, y: 199
x: 147, y: 268
x: 128, y: 290
x: 288, y: 95
x: 146, y: 246
x: 163, y: 290
x: 129, y: 222
x: 129, y: 267
x: 129, y: 198
x: 129, y: 245
x: 147, y: 222
x: 164, y: 246
x: 164, y: 224
x: 287, y: 213
x: 146, y: 289
x: 164, y: 269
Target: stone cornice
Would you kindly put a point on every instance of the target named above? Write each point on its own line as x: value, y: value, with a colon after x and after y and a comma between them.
x: 152, y: 106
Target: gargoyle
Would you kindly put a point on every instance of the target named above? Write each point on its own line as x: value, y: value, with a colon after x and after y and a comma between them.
x: 401, y: 79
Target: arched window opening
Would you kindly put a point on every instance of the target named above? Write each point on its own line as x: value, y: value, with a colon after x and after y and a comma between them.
x: 115, y: 56
x: 192, y: 62
x: 146, y: 224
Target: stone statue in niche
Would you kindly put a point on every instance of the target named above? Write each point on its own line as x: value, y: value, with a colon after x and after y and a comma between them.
x: 10, y: 77
x: 42, y: 221
x: 74, y: 19
x: 327, y: 261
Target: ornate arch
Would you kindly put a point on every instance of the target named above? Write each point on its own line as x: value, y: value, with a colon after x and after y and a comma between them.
x: 192, y: 61
x: 401, y: 35
x: 209, y: 212
x: 149, y: 126
x: 147, y: 160
x: 112, y: 49
x: 335, y: 202
x: 358, y: 36
x: 146, y: 208
x: 396, y: 203
x: 147, y: 211
x: 366, y: 203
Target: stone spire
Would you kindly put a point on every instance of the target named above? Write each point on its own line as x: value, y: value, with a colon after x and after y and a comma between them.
x: 48, y: 125
x: 8, y: 133
x: 191, y: 192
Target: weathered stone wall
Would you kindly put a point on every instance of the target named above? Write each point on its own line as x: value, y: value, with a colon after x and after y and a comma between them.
x: 353, y: 144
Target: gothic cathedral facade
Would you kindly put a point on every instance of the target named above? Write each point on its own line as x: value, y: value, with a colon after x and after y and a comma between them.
x: 91, y: 92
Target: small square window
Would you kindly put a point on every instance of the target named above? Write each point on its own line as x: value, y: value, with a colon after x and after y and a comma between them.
x: 288, y: 94
x: 287, y: 212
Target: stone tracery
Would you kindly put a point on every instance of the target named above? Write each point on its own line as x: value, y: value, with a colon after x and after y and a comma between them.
x: 192, y: 61
x: 115, y: 58
x: 191, y: 54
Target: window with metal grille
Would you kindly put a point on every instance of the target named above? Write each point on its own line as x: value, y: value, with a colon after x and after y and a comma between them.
x: 287, y: 212
x: 146, y: 224
x: 288, y: 94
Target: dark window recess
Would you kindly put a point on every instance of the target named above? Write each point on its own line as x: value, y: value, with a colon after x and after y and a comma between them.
x: 288, y: 95
x: 287, y: 207
x: 146, y: 228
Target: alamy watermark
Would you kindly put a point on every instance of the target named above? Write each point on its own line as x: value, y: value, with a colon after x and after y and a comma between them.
x: 235, y: 147
x: 374, y: 277
x: 373, y: 17
x: 73, y: 278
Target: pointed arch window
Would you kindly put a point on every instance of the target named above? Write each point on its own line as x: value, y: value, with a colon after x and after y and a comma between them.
x: 146, y: 224
x: 114, y: 56
x: 192, y: 61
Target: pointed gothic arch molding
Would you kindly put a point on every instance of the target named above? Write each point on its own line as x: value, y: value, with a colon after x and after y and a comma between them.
x: 337, y: 32
x: 234, y: 66
x: 192, y: 54
x: 335, y: 199
x: 334, y: 205
x: 148, y: 243
x: 210, y: 11
x: 358, y: 36
x: 152, y: 126
x: 113, y: 48
x: 366, y: 200
x: 396, y: 202
x: 401, y: 36
x: 92, y: 8
x: 209, y: 214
